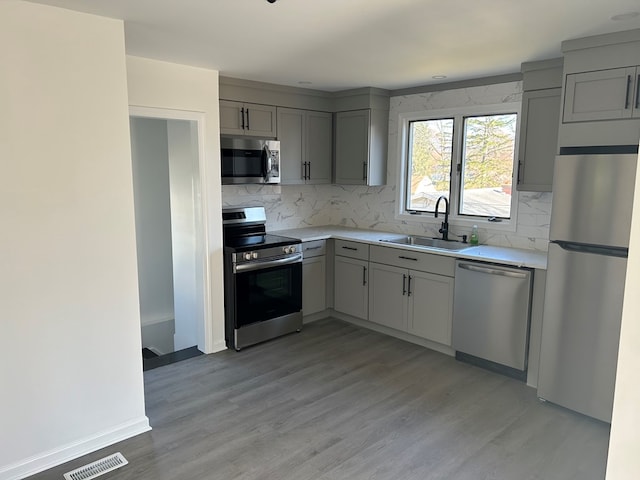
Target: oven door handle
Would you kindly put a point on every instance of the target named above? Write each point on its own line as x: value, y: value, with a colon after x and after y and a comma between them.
x: 260, y: 265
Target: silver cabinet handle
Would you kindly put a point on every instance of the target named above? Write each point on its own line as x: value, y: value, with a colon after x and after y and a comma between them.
x: 638, y: 92
x: 242, y: 115
x: 364, y: 276
x: 252, y: 266
x: 404, y: 284
x: 313, y: 248
x: 408, y: 258
x: 492, y: 271
x: 409, y: 287
x: 364, y: 171
x: 626, y: 95
x: 247, y: 110
x: 350, y: 248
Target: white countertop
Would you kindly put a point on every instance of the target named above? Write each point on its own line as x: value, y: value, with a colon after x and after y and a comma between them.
x: 487, y: 253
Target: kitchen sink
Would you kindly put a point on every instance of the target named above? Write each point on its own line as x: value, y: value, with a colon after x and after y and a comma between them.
x: 428, y: 242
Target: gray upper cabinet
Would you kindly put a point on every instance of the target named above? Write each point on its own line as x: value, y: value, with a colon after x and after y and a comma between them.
x: 291, y: 132
x: 538, y: 139
x: 238, y: 118
x: 601, y: 103
x: 305, y: 146
x: 539, y: 123
x: 361, y: 147
x: 602, y: 95
x: 319, y: 146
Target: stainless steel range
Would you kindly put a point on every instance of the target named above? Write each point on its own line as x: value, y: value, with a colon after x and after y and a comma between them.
x: 263, y: 279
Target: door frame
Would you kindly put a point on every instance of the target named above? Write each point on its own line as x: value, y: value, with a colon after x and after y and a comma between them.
x: 206, y: 342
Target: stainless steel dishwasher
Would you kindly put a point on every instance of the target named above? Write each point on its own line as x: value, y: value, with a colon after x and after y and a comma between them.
x: 491, y: 311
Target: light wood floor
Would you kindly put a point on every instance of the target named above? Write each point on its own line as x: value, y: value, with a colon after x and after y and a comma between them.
x: 338, y: 402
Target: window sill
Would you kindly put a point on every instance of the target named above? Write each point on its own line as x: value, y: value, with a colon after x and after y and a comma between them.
x: 458, y: 223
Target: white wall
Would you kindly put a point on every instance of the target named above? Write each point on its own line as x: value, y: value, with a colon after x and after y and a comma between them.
x: 165, y: 85
x: 150, y: 160
x: 374, y: 208
x: 70, y: 367
x: 624, y: 443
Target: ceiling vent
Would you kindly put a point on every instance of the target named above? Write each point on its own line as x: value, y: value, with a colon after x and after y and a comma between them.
x: 97, y: 468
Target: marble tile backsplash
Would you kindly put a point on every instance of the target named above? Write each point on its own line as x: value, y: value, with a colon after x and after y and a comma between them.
x: 297, y: 206
x: 290, y: 206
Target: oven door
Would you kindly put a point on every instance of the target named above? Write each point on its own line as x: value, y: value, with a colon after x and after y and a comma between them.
x: 266, y: 292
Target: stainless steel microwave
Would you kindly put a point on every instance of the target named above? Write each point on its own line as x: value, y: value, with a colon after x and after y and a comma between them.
x: 249, y: 160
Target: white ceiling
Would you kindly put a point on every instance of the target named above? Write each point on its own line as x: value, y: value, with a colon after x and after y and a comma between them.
x: 341, y: 44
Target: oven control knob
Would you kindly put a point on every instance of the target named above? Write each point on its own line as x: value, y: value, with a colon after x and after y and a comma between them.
x: 287, y: 249
x: 247, y: 256
x: 254, y: 255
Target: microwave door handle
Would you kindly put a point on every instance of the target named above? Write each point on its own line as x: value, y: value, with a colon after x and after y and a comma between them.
x: 266, y: 162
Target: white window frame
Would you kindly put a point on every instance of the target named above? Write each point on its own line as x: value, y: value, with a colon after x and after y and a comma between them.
x: 463, y: 221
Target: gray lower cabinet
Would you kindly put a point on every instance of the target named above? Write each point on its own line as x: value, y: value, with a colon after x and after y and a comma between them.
x: 250, y: 119
x: 314, y: 277
x: 361, y: 147
x: 413, y: 301
x: 388, y: 296
x: 538, y: 144
x: 430, y: 313
x: 305, y: 146
x: 351, y: 278
x: 610, y: 94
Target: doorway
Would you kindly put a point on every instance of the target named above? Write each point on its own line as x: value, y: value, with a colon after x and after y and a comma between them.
x: 169, y: 236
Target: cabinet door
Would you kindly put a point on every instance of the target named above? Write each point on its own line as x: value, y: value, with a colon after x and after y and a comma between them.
x: 319, y: 135
x: 291, y: 131
x: 260, y: 120
x: 636, y: 94
x: 352, y: 147
x: 351, y: 287
x: 231, y: 117
x: 314, y: 295
x: 388, y: 296
x: 237, y: 118
x: 538, y: 139
x: 601, y: 95
x: 430, y: 306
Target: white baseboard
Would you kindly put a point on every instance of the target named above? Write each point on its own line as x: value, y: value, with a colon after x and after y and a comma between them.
x: 147, y: 321
x: 52, y: 458
x: 216, y: 347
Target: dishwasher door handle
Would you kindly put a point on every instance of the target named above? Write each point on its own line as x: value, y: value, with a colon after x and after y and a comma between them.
x: 492, y: 271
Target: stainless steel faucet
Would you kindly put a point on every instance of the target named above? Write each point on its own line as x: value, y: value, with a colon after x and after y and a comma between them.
x: 444, y: 228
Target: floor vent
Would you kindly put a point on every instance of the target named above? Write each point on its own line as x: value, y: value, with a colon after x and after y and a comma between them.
x: 97, y: 468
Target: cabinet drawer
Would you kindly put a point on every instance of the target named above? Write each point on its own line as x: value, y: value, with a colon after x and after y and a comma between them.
x: 346, y: 248
x: 314, y: 248
x: 425, y: 262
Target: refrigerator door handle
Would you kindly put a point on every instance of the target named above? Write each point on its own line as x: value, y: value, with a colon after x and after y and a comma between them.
x: 593, y: 249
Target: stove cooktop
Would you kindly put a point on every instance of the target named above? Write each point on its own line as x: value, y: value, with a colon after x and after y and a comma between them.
x: 256, y: 242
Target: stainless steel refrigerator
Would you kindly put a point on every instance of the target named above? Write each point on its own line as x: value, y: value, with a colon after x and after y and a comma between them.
x: 587, y: 261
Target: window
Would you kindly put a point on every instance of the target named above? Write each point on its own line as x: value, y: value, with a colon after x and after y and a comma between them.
x: 466, y: 156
